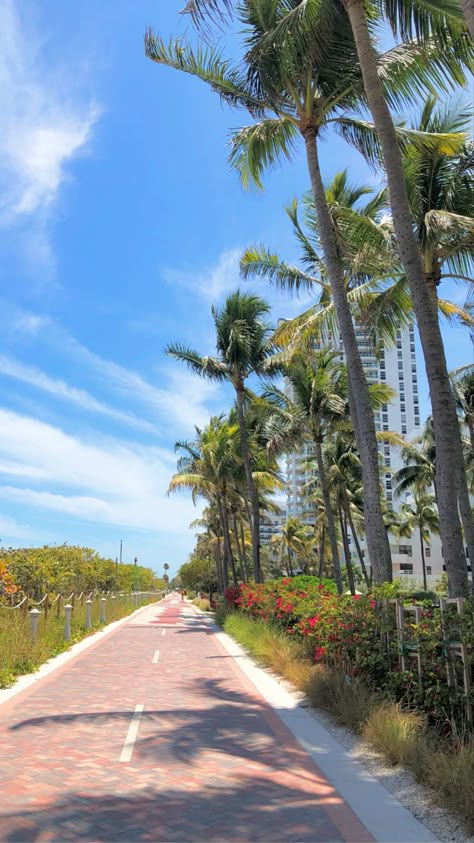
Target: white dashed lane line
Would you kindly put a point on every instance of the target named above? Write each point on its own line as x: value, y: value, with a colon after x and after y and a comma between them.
x: 132, y: 733
x: 156, y: 656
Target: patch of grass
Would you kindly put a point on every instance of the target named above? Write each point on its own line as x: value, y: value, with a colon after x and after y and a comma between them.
x: 270, y: 646
x: 349, y: 702
x: 451, y: 775
x: 399, y: 735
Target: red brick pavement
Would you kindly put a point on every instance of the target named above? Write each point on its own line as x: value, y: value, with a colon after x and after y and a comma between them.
x: 211, y: 762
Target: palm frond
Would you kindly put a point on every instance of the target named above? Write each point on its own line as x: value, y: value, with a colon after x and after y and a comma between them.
x: 261, y: 146
x: 208, y: 367
x: 259, y: 262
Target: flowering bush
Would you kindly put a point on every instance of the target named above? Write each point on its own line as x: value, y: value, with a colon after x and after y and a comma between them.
x: 358, y: 636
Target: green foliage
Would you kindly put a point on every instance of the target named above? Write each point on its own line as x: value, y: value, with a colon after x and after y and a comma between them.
x: 198, y: 575
x: 67, y: 568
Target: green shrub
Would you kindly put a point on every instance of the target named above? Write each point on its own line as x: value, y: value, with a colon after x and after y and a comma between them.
x: 204, y: 604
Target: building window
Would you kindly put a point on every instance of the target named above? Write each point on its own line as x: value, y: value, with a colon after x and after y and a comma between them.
x: 427, y: 551
x: 404, y: 430
x: 405, y: 549
x: 400, y: 364
x: 406, y: 568
x: 428, y: 570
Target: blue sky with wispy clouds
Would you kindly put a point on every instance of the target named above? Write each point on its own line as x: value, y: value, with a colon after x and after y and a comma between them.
x: 120, y: 225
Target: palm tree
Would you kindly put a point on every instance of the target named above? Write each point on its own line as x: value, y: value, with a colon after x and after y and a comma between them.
x: 292, y: 539
x: 434, y: 23
x: 463, y: 386
x: 448, y: 440
x: 344, y: 477
x: 306, y: 91
x: 318, y: 401
x: 243, y: 348
x: 206, y: 467
x: 421, y: 513
x: 309, y: 83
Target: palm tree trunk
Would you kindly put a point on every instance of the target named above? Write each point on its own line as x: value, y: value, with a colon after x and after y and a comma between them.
x: 244, y: 553
x: 219, y: 565
x: 329, y: 514
x: 225, y: 540
x: 468, y: 11
x: 347, y: 552
x: 465, y: 511
x: 254, y: 504
x: 289, y: 566
x: 322, y: 542
x: 423, y: 562
x: 229, y: 543
x: 357, y: 544
x: 237, y: 542
x: 446, y: 429
x: 361, y: 411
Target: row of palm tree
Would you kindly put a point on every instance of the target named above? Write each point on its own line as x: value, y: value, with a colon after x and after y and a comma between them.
x: 313, y: 65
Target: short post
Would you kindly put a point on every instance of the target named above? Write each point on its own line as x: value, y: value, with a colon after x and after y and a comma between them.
x: 67, y: 622
x: 102, y: 610
x: 34, y: 615
x: 58, y: 605
x: 88, y: 614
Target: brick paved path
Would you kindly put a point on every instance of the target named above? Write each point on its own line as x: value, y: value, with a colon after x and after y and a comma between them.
x: 211, y: 761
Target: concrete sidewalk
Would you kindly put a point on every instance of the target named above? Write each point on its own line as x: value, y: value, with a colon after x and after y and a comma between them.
x: 166, y: 731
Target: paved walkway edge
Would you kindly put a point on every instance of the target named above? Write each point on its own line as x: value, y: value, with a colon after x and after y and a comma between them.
x: 24, y: 682
x: 380, y: 812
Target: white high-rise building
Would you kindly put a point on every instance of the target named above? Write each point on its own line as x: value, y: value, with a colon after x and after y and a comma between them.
x: 395, y: 366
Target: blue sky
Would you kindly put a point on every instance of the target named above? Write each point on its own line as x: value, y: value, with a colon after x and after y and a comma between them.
x: 120, y: 224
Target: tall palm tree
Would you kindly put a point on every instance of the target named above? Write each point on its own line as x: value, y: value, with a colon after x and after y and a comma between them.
x: 436, y: 23
x: 243, y: 348
x: 318, y: 402
x: 308, y: 90
x: 446, y: 430
x: 421, y: 514
x: 292, y: 540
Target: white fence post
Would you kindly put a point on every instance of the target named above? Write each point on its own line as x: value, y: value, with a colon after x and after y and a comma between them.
x: 67, y: 622
x: 88, y: 614
x: 34, y: 615
x: 102, y: 610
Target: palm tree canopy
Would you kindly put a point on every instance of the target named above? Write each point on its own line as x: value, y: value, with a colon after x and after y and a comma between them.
x: 243, y: 342
x: 301, y: 70
x: 440, y: 192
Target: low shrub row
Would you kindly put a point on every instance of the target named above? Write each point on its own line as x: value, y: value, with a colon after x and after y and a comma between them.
x: 357, y: 636
x: 401, y: 735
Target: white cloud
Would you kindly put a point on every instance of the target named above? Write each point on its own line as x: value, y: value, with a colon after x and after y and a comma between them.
x: 181, y: 404
x: 213, y: 282
x: 57, y: 387
x: 44, y: 126
x: 106, y: 480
